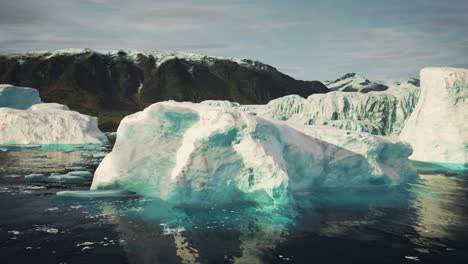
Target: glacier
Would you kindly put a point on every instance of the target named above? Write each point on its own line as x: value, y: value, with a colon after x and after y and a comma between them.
x: 380, y: 113
x: 197, y: 153
x: 437, y: 129
x: 48, y: 124
x: 18, y: 97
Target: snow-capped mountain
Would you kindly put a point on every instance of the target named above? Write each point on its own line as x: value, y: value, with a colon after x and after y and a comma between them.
x: 160, y: 56
x: 352, y: 82
x: 103, y: 82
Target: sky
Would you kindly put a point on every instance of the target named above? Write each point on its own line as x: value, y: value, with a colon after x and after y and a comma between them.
x: 307, y: 39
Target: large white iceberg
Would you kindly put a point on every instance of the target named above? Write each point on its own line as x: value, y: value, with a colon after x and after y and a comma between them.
x: 48, y: 124
x: 196, y: 153
x: 381, y: 113
x: 18, y: 97
x: 438, y: 129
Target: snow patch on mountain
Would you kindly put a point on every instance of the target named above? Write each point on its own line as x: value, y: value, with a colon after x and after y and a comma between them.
x: 352, y: 82
x: 159, y: 56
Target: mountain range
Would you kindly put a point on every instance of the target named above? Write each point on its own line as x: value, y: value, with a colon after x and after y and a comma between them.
x: 112, y: 84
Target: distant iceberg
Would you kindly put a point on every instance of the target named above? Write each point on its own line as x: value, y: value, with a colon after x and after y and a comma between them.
x: 375, y: 112
x: 18, y: 97
x: 438, y: 127
x: 196, y: 153
x: 380, y: 113
x: 48, y: 124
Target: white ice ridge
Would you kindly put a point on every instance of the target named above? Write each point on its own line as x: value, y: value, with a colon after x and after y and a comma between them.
x: 196, y: 153
x: 18, y: 97
x: 438, y: 127
x: 381, y: 113
x: 160, y: 56
x: 48, y: 124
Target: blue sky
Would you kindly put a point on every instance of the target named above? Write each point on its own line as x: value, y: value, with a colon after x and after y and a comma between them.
x: 306, y: 39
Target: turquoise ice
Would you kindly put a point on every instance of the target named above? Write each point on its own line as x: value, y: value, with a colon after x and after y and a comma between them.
x: 196, y: 153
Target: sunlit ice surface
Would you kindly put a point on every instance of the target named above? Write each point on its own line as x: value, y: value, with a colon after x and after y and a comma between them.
x: 425, y: 221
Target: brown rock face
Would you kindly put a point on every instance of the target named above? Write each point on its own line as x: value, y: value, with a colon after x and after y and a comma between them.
x: 113, y: 85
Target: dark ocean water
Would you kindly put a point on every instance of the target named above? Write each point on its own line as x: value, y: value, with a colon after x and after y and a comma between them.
x: 422, y: 222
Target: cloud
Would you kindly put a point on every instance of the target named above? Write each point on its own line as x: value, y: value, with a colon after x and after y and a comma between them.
x: 307, y: 39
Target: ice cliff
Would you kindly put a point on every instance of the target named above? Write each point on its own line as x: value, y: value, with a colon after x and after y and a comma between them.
x: 48, y: 124
x: 18, y: 97
x: 381, y: 113
x: 197, y: 153
x: 437, y: 129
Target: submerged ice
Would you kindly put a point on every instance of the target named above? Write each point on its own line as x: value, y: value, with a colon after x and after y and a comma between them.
x: 197, y: 153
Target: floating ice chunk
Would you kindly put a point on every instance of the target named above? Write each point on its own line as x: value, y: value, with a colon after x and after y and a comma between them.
x: 84, y: 174
x: 39, y: 156
x: 96, y: 194
x: 35, y: 177
x: 66, y: 178
x: 18, y: 97
x: 87, y: 243
x: 437, y: 129
x: 48, y: 124
x: 412, y: 258
x: 99, y: 156
x: 47, y: 229
x: 196, y: 153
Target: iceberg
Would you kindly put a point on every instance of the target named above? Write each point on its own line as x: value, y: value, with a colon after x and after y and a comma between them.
x: 437, y: 128
x: 202, y: 154
x: 48, y: 124
x: 18, y: 97
x: 380, y: 113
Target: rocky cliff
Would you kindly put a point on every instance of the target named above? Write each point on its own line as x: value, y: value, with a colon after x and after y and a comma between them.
x: 112, y: 84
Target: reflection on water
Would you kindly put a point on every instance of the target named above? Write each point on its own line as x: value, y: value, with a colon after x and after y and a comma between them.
x: 426, y: 220
x: 155, y: 232
x: 440, y: 203
x: 428, y: 217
